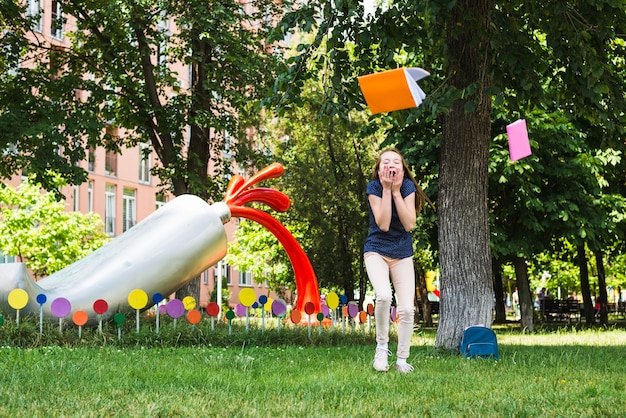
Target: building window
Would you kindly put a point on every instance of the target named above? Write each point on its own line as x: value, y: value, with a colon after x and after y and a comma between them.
x: 205, y: 277
x: 163, y: 26
x: 56, y: 23
x: 226, y: 274
x: 35, y: 11
x: 109, y: 209
x: 110, y: 164
x: 91, y: 159
x: 76, y: 189
x: 144, y: 163
x: 160, y: 200
x: 6, y: 258
x: 129, y: 209
x: 90, y: 196
x: 245, y: 278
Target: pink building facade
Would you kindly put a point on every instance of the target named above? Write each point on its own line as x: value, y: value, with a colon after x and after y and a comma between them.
x: 120, y: 187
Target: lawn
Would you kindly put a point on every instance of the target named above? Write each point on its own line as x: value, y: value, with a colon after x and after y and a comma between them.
x: 195, y: 372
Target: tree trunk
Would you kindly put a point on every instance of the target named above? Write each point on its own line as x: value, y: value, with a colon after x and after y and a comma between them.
x: 584, y: 285
x: 524, y: 293
x: 421, y: 293
x: 499, y: 292
x: 192, y: 288
x: 604, y: 298
x: 464, y: 252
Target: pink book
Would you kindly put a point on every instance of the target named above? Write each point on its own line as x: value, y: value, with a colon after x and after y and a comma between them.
x: 519, y: 146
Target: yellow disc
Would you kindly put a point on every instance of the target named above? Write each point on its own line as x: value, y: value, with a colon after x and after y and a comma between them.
x: 268, y: 305
x: 137, y: 299
x: 332, y: 300
x: 247, y: 297
x: 189, y: 302
x: 18, y: 298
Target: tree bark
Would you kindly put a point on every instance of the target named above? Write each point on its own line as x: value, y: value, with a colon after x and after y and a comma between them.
x: 524, y: 293
x: 421, y: 292
x: 584, y: 285
x: 604, y: 298
x: 465, y: 255
x: 498, y: 290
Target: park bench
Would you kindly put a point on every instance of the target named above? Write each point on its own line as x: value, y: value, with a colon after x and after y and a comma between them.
x: 556, y: 309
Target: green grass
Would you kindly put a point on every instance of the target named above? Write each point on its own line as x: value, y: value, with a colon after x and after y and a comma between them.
x: 188, y: 371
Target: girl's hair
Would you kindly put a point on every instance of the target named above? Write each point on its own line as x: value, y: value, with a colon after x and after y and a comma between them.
x: 420, y: 196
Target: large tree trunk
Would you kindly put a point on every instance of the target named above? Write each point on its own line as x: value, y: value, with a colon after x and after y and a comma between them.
x: 524, y: 293
x: 584, y: 285
x: 465, y: 256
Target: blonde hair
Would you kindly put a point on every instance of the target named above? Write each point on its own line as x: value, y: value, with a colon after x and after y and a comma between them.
x: 420, y: 196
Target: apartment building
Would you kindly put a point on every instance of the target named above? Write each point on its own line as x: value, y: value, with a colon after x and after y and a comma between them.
x: 120, y: 187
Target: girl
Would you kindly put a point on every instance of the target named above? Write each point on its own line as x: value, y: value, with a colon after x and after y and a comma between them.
x: 394, y: 200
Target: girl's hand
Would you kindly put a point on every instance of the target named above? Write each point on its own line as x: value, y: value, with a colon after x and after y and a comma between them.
x: 391, y: 178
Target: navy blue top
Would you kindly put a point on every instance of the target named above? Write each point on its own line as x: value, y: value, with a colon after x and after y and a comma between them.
x: 395, y: 243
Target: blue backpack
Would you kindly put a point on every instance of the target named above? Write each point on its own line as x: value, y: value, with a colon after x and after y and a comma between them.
x: 479, y: 341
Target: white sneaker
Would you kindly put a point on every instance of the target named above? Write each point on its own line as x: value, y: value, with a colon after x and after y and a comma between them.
x: 404, y: 368
x: 381, y: 362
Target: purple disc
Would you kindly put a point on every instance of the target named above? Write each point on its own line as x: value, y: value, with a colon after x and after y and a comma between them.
x: 392, y: 314
x: 240, y: 310
x: 325, y: 310
x: 60, y: 307
x: 279, y: 307
x: 162, y: 309
x: 175, y: 308
x: 353, y: 310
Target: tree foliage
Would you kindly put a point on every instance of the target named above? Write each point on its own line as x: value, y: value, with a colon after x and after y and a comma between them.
x: 190, y: 92
x: 37, y: 228
x: 564, y: 57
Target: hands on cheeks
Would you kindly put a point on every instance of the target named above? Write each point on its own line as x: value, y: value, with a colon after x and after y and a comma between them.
x: 391, y: 177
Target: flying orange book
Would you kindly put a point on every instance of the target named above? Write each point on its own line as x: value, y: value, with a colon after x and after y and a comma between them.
x: 393, y: 90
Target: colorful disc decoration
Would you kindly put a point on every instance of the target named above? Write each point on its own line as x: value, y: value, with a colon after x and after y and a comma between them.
x: 295, y: 316
x: 353, y: 310
x: 268, y: 305
x: 80, y: 318
x: 370, y: 309
x: 247, y: 297
x: 309, y: 308
x: 41, y: 299
x: 263, y: 300
x: 18, y: 299
x: 137, y: 299
x: 362, y: 317
x: 157, y: 297
x: 332, y: 300
x: 175, y: 308
x: 230, y: 315
x: 213, y: 309
x: 100, y: 306
x: 194, y: 317
x: 279, y: 307
x: 189, y: 302
x: 118, y: 318
x: 240, y: 309
x: 60, y: 307
x: 325, y: 309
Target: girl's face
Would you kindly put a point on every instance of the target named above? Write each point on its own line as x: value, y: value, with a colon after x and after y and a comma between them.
x: 391, y: 162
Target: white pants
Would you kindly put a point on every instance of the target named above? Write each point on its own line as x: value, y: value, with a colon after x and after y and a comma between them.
x: 379, y: 270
